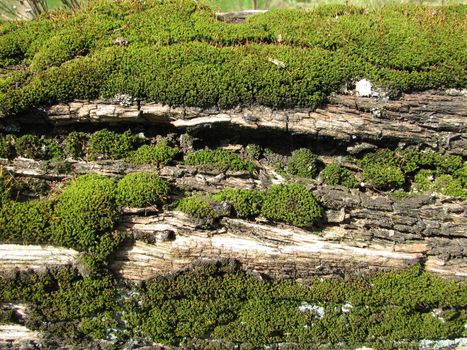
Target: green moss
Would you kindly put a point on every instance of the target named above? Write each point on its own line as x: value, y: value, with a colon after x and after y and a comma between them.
x: 84, y: 211
x: 25, y: 222
x: 333, y: 174
x: 219, y: 158
x: 292, y: 204
x: 141, y: 190
x: 303, y: 163
x: 201, y: 208
x: 246, y: 203
x: 76, y: 144
x: 159, y: 154
x: 428, y: 181
x: 383, y: 177
x: 411, y: 160
x: 217, y: 301
x: 7, y: 184
x: 31, y: 146
x: 7, y: 148
x: 105, y: 144
x: 65, y: 303
x: 449, y: 186
x: 252, y: 152
x: 461, y: 175
x: 424, y: 180
x: 179, y: 54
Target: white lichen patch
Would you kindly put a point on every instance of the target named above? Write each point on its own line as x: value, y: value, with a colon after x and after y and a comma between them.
x: 346, y: 308
x: 459, y: 343
x: 438, y: 314
x: 364, y: 88
x: 15, y: 332
x: 315, y: 309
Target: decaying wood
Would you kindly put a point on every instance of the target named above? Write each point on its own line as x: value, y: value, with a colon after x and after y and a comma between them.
x: 433, y: 119
x: 279, y: 251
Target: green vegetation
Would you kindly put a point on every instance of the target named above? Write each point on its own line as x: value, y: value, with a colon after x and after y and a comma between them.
x: 158, y: 154
x: 199, y: 207
x: 25, y: 222
x: 246, y: 203
x: 220, y: 302
x: 31, y: 146
x: 85, y: 210
x: 334, y: 174
x: 292, y: 204
x: 179, y: 54
x: 67, y: 306
x: 7, y: 149
x: 141, y: 190
x: 303, y: 163
x: 449, y: 186
x: 105, y: 144
x: 383, y: 177
x: 220, y: 159
x: 7, y: 185
x: 76, y: 144
x: 386, y: 169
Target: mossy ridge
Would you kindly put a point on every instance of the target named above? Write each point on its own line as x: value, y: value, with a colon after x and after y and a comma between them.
x: 381, y: 170
x: 293, y: 204
x: 192, y: 59
x: 219, y: 158
x: 65, y: 305
x: 159, y: 154
x: 216, y: 302
x: 141, y: 190
x: 427, y: 171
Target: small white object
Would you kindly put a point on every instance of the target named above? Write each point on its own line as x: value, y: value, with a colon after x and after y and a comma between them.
x: 346, y: 308
x: 363, y: 88
x: 278, y: 63
x: 305, y: 307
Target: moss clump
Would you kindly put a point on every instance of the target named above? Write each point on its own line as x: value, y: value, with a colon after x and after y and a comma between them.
x: 31, y: 146
x: 159, y: 154
x: 386, y: 169
x: 292, y: 204
x: 76, y: 144
x: 411, y: 160
x: 383, y: 177
x: 179, y: 54
x: 423, y: 180
x: 7, y: 148
x: 246, y: 203
x: 141, y: 190
x: 7, y: 184
x: 105, y: 144
x: 219, y: 158
x: 84, y: 211
x: 66, y: 304
x: 202, y: 208
x: 449, y: 186
x: 25, y: 222
x: 252, y: 152
x: 333, y: 174
x: 222, y: 303
x: 303, y: 163
x: 428, y: 181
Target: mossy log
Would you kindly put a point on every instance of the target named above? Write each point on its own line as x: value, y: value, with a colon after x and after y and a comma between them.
x: 434, y: 119
x: 431, y: 227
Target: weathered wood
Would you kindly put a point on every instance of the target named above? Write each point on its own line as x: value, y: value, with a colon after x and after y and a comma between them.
x: 433, y: 119
x: 279, y: 251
